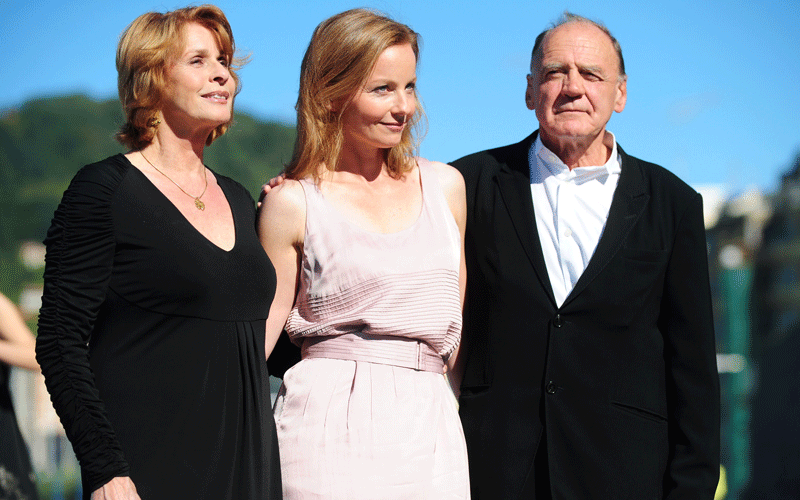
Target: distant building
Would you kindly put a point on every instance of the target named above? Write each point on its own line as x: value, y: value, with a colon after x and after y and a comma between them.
x: 32, y: 253
x: 776, y: 344
x: 733, y: 233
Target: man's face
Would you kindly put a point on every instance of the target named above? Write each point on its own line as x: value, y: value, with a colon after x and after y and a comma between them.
x: 576, y: 85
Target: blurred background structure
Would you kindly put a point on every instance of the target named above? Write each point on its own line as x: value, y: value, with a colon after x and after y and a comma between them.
x: 754, y: 257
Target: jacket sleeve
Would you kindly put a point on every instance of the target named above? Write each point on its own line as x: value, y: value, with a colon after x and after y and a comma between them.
x: 686, y: 323
x: 80, y: 253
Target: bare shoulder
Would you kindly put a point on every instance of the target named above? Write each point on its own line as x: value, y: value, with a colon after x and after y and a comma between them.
x: 451, y: 180
x: 288, y: 194
x: 283, y: 209
x: 454, y: 189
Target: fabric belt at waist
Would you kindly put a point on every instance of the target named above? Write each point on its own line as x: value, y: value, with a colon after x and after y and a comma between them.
x: 381, y: 349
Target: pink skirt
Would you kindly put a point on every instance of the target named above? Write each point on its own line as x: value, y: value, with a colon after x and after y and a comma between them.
x: 354, y: 430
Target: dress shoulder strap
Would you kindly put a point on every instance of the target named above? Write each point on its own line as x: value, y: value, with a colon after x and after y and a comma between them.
x: 432, y: 193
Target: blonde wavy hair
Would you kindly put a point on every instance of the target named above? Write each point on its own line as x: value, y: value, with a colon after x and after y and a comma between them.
x: 339, y: 59
x: 146, y: 48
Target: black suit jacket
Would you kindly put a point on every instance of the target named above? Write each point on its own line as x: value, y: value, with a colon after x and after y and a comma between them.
x: 616, y: 390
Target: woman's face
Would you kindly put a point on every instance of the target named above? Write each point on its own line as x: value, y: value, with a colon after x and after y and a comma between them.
x: 199, y: 88
x: 382, y: 108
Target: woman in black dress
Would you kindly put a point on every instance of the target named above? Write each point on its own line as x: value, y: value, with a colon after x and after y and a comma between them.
x: 151, y: 331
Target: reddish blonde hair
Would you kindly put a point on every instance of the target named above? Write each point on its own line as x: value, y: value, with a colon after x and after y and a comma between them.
x: 340, y: 57
x: 145, y: 49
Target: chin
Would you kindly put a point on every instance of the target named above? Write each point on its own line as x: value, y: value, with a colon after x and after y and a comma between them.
x: 385, y: 144
x: 573, y: 131
x: 220, y: 120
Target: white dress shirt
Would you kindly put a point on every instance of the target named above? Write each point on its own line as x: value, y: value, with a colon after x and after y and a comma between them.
x: 571, y: 208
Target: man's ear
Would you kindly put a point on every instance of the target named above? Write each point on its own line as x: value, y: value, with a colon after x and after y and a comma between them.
x: 622, y: 94
x: 529, y: 102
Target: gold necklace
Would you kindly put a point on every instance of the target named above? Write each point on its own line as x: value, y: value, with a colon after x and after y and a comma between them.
x: 199, y: 204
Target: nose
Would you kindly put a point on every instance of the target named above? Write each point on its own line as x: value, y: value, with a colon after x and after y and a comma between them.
x: 405, y: 103
x: 573, y: 83
x: 220, y: 73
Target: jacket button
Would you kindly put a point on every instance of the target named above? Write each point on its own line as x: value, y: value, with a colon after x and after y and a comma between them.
x: 551, y: 387
x: 557, y: 321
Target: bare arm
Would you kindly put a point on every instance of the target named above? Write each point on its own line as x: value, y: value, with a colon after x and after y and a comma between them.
x: 281, y: 228
x: 452, y: 183
x: 17, y: 343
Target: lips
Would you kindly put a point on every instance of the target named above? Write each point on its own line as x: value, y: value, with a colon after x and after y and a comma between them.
x: 395, y: 127
x: 217, y: 96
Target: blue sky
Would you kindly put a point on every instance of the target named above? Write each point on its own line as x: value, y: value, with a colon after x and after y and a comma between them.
x: 713, y: 88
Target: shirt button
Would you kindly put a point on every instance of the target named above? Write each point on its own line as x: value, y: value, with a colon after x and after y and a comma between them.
x: 551, y: 387
x: 557, y: 321
x: 568, y: 232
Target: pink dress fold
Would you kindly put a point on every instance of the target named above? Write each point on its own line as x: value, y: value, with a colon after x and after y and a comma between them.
x: 368, y: 413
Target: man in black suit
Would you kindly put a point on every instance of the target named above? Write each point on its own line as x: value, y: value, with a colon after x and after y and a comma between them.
x: 590, y: 360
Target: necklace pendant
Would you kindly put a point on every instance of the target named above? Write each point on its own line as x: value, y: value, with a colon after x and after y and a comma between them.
x: 199, y: 204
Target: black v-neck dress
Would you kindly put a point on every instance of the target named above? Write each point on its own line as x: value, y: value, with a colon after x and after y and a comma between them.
x: 151, y: 340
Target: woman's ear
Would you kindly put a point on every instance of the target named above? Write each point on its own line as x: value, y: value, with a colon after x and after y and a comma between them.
x: 335, y: 105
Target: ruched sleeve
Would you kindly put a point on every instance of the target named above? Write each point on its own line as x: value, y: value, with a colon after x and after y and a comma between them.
x: 79, y: 262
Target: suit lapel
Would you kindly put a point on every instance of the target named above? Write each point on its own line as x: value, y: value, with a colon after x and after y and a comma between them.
x: 627, y: 205
x: 514, y: 183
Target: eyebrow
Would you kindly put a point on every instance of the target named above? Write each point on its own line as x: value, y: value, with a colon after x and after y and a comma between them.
x: 386, y: 81
x: 197, y: 51
x: 562, y: 67
x: 552, y: 66
x: 591, y: 69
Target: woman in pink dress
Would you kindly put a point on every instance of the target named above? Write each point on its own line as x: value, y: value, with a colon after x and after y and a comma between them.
x: 367, y: 243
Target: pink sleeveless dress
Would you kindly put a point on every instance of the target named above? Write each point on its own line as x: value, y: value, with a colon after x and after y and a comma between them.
x: 367, y: 413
